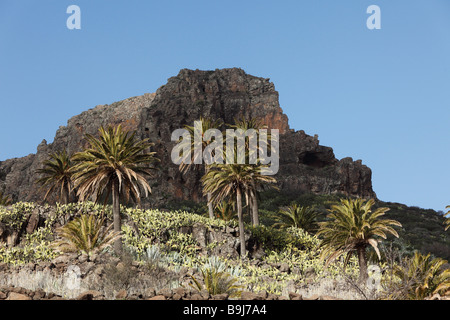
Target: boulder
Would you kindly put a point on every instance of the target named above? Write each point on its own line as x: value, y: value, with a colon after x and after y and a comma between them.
x: 17, y: 296
x: 157, y: 298
x: 122, y: 294
x: 90, y: 295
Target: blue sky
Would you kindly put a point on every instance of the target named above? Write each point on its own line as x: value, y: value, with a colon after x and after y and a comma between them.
x: 377, y: 95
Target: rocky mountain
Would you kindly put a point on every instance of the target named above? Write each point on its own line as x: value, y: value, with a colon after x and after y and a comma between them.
x: 305, y: 165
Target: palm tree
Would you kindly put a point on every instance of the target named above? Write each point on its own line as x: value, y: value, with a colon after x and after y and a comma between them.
x: 353, y: 227
x: 5, y: 200
x: 447, y: 221
x: 422, y: 276
x: 298, y: 216
x: 85, y: 234
x: 114, y: 165
x: 227, y: 181
x: 217, y: 282
x: 251, y: 151
x: 198, y: 130
x: 57, y: 174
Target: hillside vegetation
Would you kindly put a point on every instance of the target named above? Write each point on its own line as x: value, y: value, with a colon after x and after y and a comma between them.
x: 247, y: 238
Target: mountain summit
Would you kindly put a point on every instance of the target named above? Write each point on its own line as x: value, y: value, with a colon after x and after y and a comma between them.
x: 305, y: 166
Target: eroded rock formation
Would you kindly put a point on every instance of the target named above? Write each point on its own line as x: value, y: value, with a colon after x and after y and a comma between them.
x: 305, y: 165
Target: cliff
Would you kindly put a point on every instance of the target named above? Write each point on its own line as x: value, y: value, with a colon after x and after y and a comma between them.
x: 305, y: 166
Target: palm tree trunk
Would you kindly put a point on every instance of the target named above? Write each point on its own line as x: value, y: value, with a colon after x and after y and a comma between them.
x: 249, y: 207
x: 363, y: 275
x: 241, y: 222
x: 210, y: 206
x: 116, y: 215
x: 208, y: 196
x: 254, y: 202
x: 65, y: 195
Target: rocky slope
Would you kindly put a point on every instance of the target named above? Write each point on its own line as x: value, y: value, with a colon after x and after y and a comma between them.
x: 305, y: 166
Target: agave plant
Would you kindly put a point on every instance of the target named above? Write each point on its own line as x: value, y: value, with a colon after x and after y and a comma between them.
x: 85, y: 234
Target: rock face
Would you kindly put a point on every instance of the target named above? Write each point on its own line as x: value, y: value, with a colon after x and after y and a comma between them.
x: 305, y: 166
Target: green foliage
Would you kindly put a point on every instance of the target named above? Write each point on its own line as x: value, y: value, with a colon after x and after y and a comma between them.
x: 190, y: 206
x: 115, y: 157
x: 86, y: 235
x: 160, y: 240
x: 420, y: 277
x: 56, y: 175
x: 297, y: 216
x: 273, y: 200
x: 17, y: 215
x: 278, y: 240
x: 34, y: 247
x: 37, y: 246
x: 352, y: 225
x: 155, y: 225
x: 225, y: 210
x: 182, y: 242
x: 65, y: 213
x: 216, y: 280
x: 422, y: 228
x: 199, y: 129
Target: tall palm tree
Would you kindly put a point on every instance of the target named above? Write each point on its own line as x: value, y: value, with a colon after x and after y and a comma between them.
x: 227, y: 181
x: 351, y: 228
x: 251, y: 151
x: 198, y: 130
x: 5, y: 200
x: 447, y: 221
x: 298, y: 216
x: 57, y: 174
x: 114, y: 165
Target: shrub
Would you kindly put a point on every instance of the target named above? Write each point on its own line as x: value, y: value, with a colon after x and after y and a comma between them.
x: 216, y: 280
x: 86, y: 235
x: 418, y: 277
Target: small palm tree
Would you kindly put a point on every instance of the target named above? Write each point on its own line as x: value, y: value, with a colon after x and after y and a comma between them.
x: 225, y: 210
x: 217, y: 282
x: 198, y: 130
x: 298, y: 216
x: 5, y: 200
x: 447, y: 221
x: 116, y: 165
x: 424, y: 277
x: 351, y: 228
x: 85, y: 234
x: 57, y: 174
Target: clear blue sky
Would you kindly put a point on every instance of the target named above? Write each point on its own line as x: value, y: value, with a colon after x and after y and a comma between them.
x: 377, y: 95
